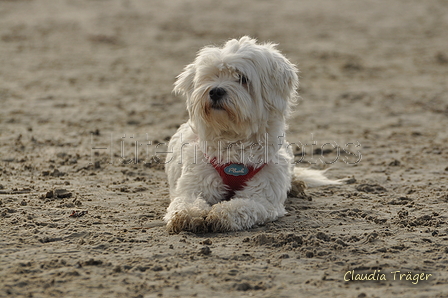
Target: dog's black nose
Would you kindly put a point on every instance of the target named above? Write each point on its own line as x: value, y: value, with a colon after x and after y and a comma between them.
x: 216, y: 94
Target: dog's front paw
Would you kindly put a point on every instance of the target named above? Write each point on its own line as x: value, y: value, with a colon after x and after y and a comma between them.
x: 184, y: 221
x: 236, y: 215
x: 217, y: 223
x: 222, y: 219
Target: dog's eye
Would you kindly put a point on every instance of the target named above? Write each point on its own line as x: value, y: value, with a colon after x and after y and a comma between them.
x: 243, y: 79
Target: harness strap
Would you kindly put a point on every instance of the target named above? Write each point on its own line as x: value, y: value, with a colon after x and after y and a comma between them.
x: 234, y: 175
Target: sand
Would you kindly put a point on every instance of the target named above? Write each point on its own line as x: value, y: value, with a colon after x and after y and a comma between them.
x: 83, y: 222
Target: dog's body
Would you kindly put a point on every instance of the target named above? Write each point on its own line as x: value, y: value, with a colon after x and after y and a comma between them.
x: 230, y: 167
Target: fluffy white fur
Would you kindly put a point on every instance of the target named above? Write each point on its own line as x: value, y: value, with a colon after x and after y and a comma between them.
x: 260, y: 88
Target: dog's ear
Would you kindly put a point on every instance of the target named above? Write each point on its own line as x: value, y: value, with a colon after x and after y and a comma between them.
x: 283, y: 82
x: 184, y: 83
x: 286, y: 78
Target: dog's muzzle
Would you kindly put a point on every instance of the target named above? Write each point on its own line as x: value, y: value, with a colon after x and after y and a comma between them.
x: 217, y: 94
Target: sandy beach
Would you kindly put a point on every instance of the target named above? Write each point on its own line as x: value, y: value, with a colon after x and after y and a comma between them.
x: 86, y: 103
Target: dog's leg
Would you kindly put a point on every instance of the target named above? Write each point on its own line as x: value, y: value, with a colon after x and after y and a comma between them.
x: 195, y: 191
x: 261, y: 201
x: 239, y: 214
x: 185, y: 214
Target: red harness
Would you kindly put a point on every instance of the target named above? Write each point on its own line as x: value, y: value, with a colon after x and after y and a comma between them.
x: 234, y: 175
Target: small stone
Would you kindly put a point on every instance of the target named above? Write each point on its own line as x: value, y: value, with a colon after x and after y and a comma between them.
x: 62, y: 193
x: 205, y: 251
x: 157, y: 268
x: 394, y: 163
x: 207, y: 242
x: 371, y: 188
x: 93, y: 262
x: 233, y: 272
x: 351, y: 180
x: 57, y: 173
x: 322, y: 236
x: 243, y: 286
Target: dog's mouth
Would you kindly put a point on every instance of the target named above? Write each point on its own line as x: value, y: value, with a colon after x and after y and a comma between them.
x: 217, y: 106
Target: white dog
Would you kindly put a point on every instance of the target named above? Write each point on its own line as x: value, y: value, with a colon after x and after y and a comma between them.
x: 229, y: 168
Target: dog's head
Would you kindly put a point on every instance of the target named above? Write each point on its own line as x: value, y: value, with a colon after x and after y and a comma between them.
x: 238, y: 91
